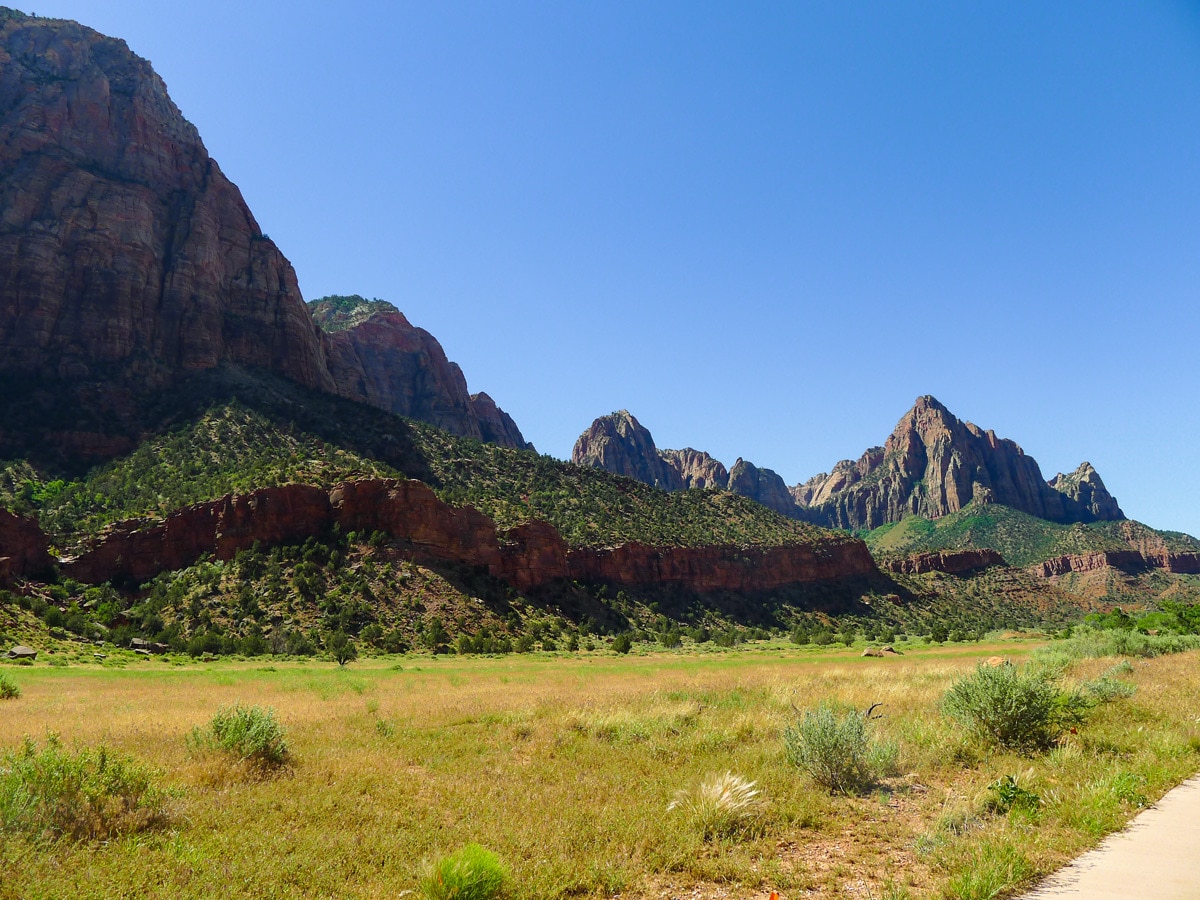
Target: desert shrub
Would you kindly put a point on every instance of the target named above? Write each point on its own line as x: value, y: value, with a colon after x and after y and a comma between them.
x: 9, y: 690
x: 1090, y: 643
x: 1014, y: 708
x: 341, y: 648
x: 836, y: 749
x: 1008, y: 793
x: 471, y: 873
x: 251, y: 733
x: 85, y: 795
x: 622, y: 643
x: 721, y: 806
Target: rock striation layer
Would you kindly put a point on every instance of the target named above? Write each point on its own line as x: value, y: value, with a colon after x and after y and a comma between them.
x: 128, y: 261
x: 528, y: 556
x: 377, y: 356
x: 934, y: 464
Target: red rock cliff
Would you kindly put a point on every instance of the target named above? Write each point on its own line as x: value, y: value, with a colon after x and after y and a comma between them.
x: 24, y: 549
x: 951, y: 561
x: 528, y: 556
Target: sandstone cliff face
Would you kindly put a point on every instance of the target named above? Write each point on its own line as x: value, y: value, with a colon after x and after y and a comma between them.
x: 128, y: 260
x: 696, y: 468
x: 619, y: 444
x: 934, y: 464
x: 953, y: 562
x: 24, y: 549
x: 377, y: 356
x: 529, y: 556
x: 761, y: 485
x: 124, y: 250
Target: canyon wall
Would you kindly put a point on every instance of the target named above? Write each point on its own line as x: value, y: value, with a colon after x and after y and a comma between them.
x: 528, y: 556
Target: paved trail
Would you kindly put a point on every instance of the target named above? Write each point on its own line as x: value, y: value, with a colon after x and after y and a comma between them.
x: 1157, y: 857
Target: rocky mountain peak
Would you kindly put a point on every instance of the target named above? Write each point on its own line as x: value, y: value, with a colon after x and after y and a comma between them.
x: 933, y: 464
x: 1086, y: 489
x: 378, y: 356
x: 619, y: 443
x: 762, y: 485
x: 128, y: 262
x: 697, y: 468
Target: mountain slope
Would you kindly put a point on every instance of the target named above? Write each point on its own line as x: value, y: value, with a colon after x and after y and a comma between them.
x: 129, y: 262
x: 378, y: 356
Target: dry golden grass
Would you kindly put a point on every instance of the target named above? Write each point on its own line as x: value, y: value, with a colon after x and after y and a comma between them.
x: 565, y: 766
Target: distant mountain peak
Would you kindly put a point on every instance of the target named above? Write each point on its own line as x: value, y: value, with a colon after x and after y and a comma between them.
x: 933, y: 464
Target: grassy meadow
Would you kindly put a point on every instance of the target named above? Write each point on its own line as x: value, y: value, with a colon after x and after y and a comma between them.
x: 564, y: 765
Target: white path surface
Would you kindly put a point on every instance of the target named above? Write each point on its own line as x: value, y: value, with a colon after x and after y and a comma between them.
x: 1156, y: 858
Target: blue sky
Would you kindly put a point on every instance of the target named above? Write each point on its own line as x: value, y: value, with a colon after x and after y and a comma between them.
x: 764, y: 228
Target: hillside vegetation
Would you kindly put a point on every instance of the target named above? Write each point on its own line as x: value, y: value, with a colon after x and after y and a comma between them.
x: 270, y: 433
x: 1020, y: 538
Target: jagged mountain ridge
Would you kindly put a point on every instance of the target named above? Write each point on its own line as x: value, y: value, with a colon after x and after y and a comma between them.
x: 933, y: 464
x: 129, y: 261
x: 620, y: 444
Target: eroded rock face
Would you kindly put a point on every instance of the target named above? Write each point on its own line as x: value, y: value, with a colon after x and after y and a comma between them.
x: 124, y: 250
x: 934, y: 464
x: 528, y: 556
x: 761, y: 485
x: 696, y: 468
x: 953, y: 562
x: 1087, y: 492
x: 128, y: 261
x: 380, y: 358
x: 24, y: 549
x: 619, y: 444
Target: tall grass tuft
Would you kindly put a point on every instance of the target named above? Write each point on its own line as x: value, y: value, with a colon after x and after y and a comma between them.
x: 837, y: 751
x: 84, y: 795
x: 721, y: 806
x: 471, y: 873
x: 251, y: 733
x: 9, y: 689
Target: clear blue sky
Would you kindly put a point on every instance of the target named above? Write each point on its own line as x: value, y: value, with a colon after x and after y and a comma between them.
x: 764, y: 228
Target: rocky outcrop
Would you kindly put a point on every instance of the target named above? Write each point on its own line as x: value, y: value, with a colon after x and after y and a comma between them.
x: 377, y: 356
x: 1087, y: 493
x: 1089, y: 562
x: 761, y: 485
x: 934, y: 464
x: 696, y: 468
x: 619, y: 444
x: 129, y: 261
x: 954, y: 562
x: 24, y: 549
x: 528, y: 556
x: 124, y: 250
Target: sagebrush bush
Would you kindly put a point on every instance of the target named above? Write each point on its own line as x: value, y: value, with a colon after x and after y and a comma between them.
x: 721, y: 806
x: 251, y: 733
x: 836, y: 749
x: 9, y: 690
x: 1014, y: 708
x: 471, y: 873
x: 85, y: 795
